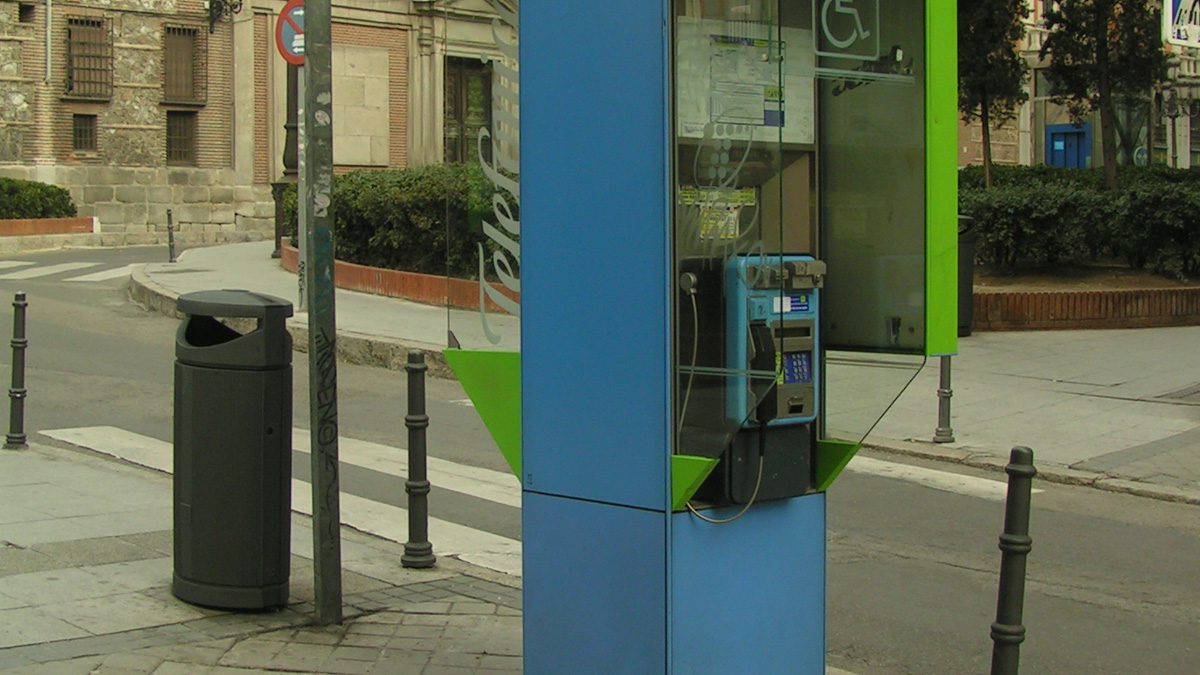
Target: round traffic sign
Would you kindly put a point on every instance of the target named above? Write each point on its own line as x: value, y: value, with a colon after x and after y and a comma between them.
x: 289, y: 32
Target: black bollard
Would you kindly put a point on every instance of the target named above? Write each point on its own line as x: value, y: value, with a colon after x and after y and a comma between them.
x: 15, y: 439
x: 418, y: 552
x: 170, y: 238
x: 1015, y: 543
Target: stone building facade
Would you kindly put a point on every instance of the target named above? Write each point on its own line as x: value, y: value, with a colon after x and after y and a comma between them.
x: 1165, y: 128
x: 100, y: 97
x: 1006, y: 143
x: 389, y: 79
x: 129, y: 105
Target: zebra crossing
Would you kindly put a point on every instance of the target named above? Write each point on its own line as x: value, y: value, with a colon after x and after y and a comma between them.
x: 21, y: 270
x: 484, y: 531
x: 369, y: 508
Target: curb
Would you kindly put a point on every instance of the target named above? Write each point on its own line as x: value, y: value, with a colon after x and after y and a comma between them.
x: 352, y: 348
x: 31, y: 243
x: 1046, y: 471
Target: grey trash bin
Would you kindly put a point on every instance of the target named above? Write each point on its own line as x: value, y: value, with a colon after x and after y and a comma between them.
x: 233, y: 451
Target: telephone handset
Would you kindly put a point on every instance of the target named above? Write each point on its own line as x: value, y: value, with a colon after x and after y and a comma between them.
x: 763, y: 359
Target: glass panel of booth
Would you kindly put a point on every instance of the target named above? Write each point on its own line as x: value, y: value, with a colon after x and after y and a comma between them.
x: 472, y: 68
x: 798, y: 226
x: 737, y: 139
x: 871, y: 100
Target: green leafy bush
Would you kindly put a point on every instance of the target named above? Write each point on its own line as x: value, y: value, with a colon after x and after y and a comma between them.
x: 427, y: 219
x: 1008, y: 175
x: 1053, y: 215
x: 29, y: 199
x: 1053, y: 224
x: 1158, y: 228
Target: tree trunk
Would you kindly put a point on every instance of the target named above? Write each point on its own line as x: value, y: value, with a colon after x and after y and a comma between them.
x: 986, y: 124
x: 1108, y: 139
x: 1108, y: 116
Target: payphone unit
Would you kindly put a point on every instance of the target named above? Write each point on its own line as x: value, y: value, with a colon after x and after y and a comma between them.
x: 771, y: 319
x: 751, y: 394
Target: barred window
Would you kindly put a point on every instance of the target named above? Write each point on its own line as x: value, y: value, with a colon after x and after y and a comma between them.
x: 185, y: 64
x: 89, y: 58
x: 181, y: 137
x: 83, y: 133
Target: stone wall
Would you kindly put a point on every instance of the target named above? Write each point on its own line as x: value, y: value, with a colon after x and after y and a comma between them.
x: 131, y: 204
x: 16, y: 92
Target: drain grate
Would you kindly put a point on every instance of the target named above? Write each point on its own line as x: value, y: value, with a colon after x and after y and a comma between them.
x: 1189, y: 394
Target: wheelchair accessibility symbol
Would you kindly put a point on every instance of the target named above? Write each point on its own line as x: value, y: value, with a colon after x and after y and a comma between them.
x: 849, y: 29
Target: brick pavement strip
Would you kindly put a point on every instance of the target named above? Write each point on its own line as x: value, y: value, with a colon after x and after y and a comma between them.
x: 458, y: 635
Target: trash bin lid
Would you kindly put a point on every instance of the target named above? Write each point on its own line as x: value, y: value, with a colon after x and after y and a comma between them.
x: 233, y: 303
x: 965, y: 224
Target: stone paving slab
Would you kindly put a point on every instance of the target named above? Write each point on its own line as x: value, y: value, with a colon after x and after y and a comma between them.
x: 94, y: 601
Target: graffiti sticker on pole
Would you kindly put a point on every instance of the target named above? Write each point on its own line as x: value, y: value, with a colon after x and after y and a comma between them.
x: 289, y: 32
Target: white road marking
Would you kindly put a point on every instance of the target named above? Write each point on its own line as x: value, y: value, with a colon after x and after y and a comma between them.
x: 391, y: 522
x: 478, y: 547
x: 496, y: 486
x: 103, y: 275
x: 126, y: 445
x: 8, y: 264
x: 971, y: 486
x: 463, y: 401
x: 46, y: 271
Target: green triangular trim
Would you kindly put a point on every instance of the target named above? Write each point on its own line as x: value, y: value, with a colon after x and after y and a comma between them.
x: 687, y: 473
x: 493, y: 381
x: 832, y: 457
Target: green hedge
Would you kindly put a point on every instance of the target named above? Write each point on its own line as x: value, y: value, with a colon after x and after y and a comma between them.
x: 1052, y: 215
x: 397, y: 219
x: 29, y: 199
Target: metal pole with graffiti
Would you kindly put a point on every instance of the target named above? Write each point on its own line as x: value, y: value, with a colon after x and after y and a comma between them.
x: 317, y: 129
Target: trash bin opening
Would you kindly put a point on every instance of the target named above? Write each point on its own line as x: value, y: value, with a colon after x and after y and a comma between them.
x: 206, y: 331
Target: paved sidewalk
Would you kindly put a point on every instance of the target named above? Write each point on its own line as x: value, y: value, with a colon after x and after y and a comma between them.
x: 1117, y: 409
x: 85, y: 573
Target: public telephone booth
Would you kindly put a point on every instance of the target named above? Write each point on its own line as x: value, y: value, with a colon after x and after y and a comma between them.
x: 736, y: 248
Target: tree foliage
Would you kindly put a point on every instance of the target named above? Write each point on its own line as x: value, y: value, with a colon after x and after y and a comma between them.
x: 1102, y: 52
x: 991, y: 72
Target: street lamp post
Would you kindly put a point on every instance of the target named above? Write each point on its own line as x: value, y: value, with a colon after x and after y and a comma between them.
x: 290, y: 157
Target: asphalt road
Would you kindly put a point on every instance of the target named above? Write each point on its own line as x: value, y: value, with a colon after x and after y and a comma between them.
x: 911, y: 584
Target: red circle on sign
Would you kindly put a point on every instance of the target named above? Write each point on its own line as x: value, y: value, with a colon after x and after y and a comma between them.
x: 285, y: 15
